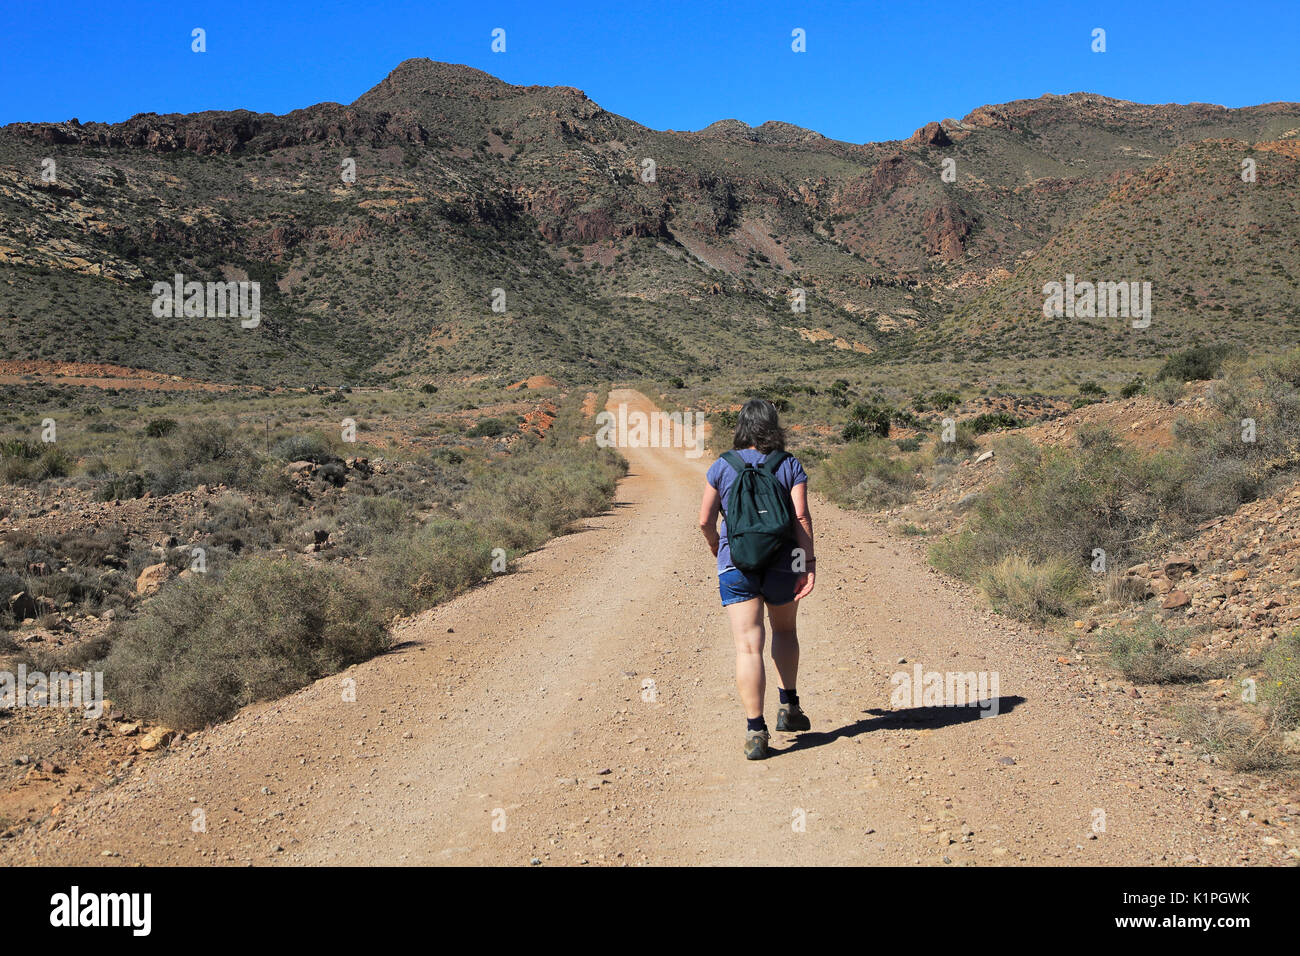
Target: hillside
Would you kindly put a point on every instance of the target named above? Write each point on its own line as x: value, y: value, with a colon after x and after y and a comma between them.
x: 1221, y: 255
x: 465, y: 184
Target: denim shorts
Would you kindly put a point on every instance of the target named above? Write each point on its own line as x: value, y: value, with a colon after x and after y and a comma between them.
x: 773, y: 586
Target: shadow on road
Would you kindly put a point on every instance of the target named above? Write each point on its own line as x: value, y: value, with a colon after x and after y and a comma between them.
x: 911, y: 718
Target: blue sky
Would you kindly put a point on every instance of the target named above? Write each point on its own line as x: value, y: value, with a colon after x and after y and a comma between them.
x: 872, y: 70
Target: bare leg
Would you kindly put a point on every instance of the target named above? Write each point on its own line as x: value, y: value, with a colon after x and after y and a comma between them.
x: 785, y: 644
x: 747, y: 630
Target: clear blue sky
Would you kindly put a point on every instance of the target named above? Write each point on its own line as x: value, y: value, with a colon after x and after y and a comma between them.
x: 872, y: 70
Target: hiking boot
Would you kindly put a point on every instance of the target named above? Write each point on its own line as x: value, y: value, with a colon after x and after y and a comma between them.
x: 791, y: 718
x: 755, y: 744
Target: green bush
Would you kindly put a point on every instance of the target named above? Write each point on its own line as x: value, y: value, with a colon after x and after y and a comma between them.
x: 201, y: 649
x: 161, y: 427
x: 1055, y: 503
x: 371, y: 520
x: 863, y: 474
x: 205, y: 452
x: 992, y: 421
x: 488, y: 428
x: 1151, y: 653
x: 432, y: 563
x: 31, y: 461
x: 1033, y: 590
x: 1280, y: 684
x: 312, y: 446
x: 938, y: 401
x: 1196, y: 364
x: 869, y: 419
x: 121, y: 487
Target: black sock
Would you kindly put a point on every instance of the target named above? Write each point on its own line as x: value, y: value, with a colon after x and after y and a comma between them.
x: 788, y: 696
x: 755, y: 723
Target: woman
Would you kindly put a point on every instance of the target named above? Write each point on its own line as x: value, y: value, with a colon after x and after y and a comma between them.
x: 780, y: 587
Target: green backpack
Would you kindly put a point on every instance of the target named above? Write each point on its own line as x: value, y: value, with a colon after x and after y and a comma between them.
x: 758, y: 512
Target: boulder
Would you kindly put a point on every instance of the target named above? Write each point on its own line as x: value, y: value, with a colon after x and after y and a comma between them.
x: 22, y: 606
x: 158, y: 737
x: 152, y: 578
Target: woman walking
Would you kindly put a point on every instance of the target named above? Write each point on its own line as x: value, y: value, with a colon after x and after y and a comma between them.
x: 785, y: 577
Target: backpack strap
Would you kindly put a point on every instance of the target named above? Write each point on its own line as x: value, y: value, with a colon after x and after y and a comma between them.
x: 738, y: 465
x: 773, y: 461
x: 735, y: 461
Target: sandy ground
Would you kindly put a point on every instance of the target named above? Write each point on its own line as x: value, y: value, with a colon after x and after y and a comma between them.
x: 514, y: 725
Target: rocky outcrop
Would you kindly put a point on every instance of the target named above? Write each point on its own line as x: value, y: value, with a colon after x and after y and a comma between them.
x: 945, y: 230
x: 931, y: 134
x: 213, y: 133
x: 1238, y: 579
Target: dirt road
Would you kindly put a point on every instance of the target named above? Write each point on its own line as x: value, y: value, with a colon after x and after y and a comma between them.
x: 510, y: 725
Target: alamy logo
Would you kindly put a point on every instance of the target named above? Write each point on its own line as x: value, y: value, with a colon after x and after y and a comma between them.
x: 74, y: 908
x: 637, y: 429
x: 74, y: 689
x: 1086, y: 300
x: 946, y: 689
x: 208, y: 300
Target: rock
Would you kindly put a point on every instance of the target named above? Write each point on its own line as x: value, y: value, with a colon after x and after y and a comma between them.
x: 984, y: 457
x: 1238, y: 575
x: 300, y: 467
x: 1175, y: 599
x: 152, y: 578
x: 931, y: 134
x: 158, y: 737
x: 22, y: 605
x: 127, y: 729
x: 1175, y: 567
x: 334, y: 473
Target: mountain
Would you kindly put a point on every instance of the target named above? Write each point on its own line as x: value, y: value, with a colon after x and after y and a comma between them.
x: 621, y: 250
x: 1221, y: 254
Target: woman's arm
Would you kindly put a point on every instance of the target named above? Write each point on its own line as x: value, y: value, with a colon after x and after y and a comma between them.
x: 709, y: 509
x: 803, y: 537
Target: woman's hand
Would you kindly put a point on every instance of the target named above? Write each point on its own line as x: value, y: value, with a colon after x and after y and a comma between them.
x: 804, y: 586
